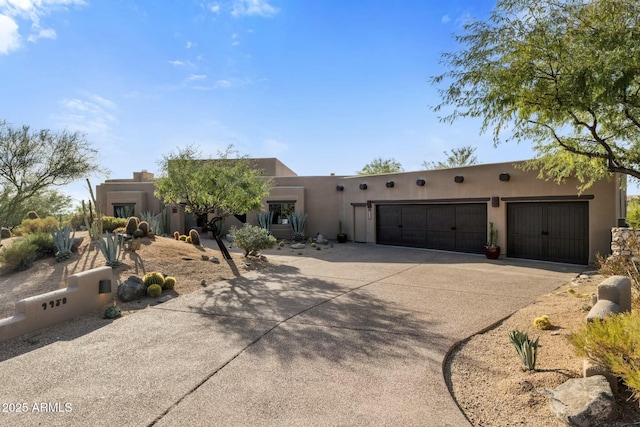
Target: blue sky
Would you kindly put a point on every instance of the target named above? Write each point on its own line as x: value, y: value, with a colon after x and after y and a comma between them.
x: 325, y: 85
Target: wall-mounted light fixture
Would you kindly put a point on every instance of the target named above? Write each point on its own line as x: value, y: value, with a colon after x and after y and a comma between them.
x: 369, y: 204
x: 104, y: 286
x: 495, y: 202
x: 459, y: 179
x: 363, y: 186
x: 421, y: 182
x: 504, y: 177
x: 390, y: 184
x: 340, y: 187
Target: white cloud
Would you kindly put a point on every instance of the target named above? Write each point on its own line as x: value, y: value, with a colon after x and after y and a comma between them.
x: 9, y: 36
x: 252, y: 8
x: 91, y: 114
x: 30, y: 13
x: 194, y: 77
x: 43, y: 33
x: 215, y: 8
x: 445, y: 19
x: 274, y: 147
x: 189, y: 44
x: 177, y: 63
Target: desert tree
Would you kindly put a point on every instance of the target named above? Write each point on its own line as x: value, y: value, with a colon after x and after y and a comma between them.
x: 379, y: 166
x: 463, y: 156
x: 561, y: 75
x: 227, y: 185
x: 33, y: 161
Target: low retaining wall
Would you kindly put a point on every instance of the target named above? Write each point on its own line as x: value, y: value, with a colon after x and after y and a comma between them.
x: 81, y: 295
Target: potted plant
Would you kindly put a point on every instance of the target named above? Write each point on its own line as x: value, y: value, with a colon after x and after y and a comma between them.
x: 491, y: 249
x: 342, y: 237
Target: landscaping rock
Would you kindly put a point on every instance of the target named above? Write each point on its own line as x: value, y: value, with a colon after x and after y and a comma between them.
x: 5, y: 233
x: 164, y: 299
x: 131, y: 289
x: 214, y: 260
x: 298, y: 246
x: 584, y: 402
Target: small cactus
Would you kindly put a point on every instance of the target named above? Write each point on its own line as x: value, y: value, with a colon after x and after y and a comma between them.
x: 154, y: 278
x: 195, y: 237
x: 182, y: 237
x: 144, y: 226
x: 132, y: 225
x: 154, y: 291
x: 188, y: 239
x: 176, y: 235
x: 138, y: 233
x: 542, y: 322
x: 169, y: 283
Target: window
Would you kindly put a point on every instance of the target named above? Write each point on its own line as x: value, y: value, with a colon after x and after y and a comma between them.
x: 124, y: 210
x: 281, y: 211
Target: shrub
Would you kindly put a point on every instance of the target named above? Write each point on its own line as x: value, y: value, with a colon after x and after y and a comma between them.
x: 154, y: 278
x: 154, y: 291
x: 613, y: 343
x: 18, y: 256
x: 111, y: 223
x: 44, y: 243
x: 195, y: 237
x: 526, y: 348
x: 542, y: 322
x: 29, y: 226
x: 252, y: 239
x: 169, y: 283
x: 112, y: 312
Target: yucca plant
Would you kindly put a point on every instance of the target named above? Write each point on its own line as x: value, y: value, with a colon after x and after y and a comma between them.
x: 526, y: 348
x: 111, y: 248
x: 63, y: 241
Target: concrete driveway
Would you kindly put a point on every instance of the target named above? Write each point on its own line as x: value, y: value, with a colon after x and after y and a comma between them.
x: 353, y: 336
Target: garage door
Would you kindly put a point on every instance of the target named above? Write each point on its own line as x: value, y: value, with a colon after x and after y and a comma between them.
x: 553, y: 231
x: 455, y: 227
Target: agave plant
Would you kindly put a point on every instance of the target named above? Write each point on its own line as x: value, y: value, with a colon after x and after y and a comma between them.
x: 265, y: 219
x: 111, y: 247
x: 527, y: 349
x: 297, y: 222
x: 63, y: 241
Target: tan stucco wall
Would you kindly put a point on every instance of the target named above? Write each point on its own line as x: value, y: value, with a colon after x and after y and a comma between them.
x: 482, y: 181
x: 326, y: 206
x: 138, y: 190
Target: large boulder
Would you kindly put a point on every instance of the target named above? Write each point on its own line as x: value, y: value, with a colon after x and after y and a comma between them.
x: 131, y: 289
x: 584, y: 402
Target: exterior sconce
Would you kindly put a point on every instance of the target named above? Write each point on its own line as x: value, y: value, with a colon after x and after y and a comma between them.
x: 504, y: 177
x: 390, y: 184
x: 340, y: 187
x: 459, y: 179
x: 363, y: 186
x: 421, y: 182
x: 104, y: 286
x: 369, y: 204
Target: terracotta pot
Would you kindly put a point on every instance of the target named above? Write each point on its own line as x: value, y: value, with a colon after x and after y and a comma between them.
x: 492, y: 252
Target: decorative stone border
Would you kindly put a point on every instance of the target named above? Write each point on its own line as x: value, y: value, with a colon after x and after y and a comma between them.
x: 82, y: 295
x: 620, y: 238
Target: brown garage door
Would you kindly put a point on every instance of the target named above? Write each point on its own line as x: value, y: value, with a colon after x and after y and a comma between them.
x: 549, y: 231
x: 455, y: 227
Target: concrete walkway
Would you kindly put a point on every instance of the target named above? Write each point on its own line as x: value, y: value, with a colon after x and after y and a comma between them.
x: 353, y: 336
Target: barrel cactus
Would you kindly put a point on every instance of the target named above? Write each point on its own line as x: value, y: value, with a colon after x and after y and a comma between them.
x: 132, y: 225
x: 176, y: 235
x: 169, y: 283
x: 144, y: 227
x: 154, y: 278
x: 154, y: 291
x: 195, y: 237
